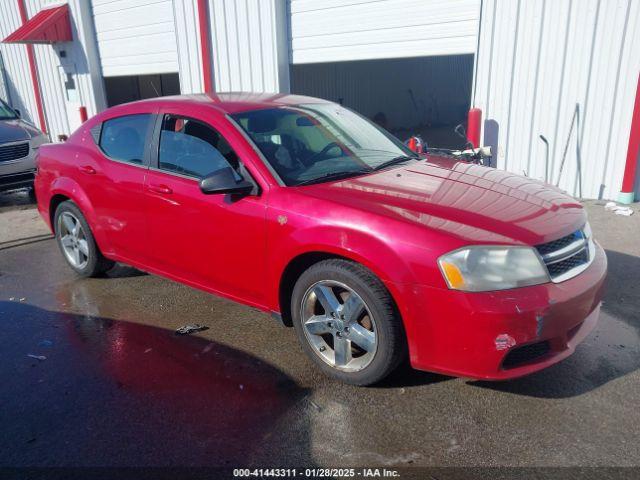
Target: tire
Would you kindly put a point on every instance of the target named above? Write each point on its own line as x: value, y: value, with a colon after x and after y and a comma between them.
x: 90, y: 262
x: 32, y: 194
x: 364, y: 340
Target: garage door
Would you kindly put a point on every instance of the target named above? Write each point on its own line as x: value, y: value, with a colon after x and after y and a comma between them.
x: 135, y: 37
x: 339, y: 30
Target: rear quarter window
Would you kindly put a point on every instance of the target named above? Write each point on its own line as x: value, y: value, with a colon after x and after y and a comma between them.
x: 124, y: 138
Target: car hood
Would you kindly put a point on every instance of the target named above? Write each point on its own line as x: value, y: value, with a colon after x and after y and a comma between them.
x: 16, y: 130
x: 477, y: 204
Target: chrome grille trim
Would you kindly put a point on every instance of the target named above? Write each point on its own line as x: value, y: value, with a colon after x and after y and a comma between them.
x: 580, y: 251
x: 566, y: 252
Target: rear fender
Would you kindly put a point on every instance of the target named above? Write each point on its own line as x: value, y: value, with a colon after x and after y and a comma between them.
x: 71, y: 189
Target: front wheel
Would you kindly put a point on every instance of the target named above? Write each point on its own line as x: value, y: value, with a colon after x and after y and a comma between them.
x: 76, y: 242
x: 347, y: 322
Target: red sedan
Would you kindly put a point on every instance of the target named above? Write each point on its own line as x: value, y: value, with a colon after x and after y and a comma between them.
x: 303, y: 208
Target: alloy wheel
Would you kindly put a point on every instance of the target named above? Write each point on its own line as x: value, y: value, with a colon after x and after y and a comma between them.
x: 339, y: 326
x: 73, y: 240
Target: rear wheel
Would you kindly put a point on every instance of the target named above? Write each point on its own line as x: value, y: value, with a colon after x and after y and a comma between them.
x: 347, y: 322
x: 76, y: 241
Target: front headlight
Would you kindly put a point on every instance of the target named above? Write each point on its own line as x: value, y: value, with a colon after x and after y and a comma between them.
x: 481, y: 269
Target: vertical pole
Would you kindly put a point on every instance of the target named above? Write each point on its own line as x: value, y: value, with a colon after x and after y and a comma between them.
x: 626, y: 193
x: 33, y: 69
x: 205, y: 45
x: 474, y: 125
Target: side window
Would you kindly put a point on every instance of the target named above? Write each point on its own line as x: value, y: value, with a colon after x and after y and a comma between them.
x: 123, y: 138
x: 192, y: 148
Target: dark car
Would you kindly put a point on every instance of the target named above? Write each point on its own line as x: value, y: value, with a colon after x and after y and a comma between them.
x: 19, y: 143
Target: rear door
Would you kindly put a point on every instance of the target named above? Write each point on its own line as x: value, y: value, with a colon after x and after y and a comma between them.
x: 115, y: 182
x: 216, y: 241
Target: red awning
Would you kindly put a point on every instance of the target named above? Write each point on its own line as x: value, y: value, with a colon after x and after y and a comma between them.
x: 50, y: 25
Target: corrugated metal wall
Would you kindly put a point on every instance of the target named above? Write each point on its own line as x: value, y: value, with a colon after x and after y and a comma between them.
x: 16, y: 65
x: 188, y: 38
x: 250, y: 45
x: 545, y: 64
x: 249, y: 41
x: 136, y: 37
x: 50, y: 80
x: 86, y: 56
x: 48, y: 63
x: 339, y: 30
x: 4, y: 91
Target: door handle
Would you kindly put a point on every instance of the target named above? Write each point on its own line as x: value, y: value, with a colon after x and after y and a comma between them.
x: 160, y: 189
x: 88, y: 169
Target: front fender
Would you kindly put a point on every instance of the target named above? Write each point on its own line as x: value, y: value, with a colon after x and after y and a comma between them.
x: 70, y: 188
x: 362, y: 247
x: 390, y: 263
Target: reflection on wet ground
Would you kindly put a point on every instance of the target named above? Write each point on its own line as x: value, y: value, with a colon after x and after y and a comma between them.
x: 118, y: 387
x: 117, y: 391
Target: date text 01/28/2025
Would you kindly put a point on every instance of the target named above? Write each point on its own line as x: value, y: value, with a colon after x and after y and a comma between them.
x: 316, y: 473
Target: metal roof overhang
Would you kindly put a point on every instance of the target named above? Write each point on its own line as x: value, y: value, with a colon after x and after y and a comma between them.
x: 50, y: 25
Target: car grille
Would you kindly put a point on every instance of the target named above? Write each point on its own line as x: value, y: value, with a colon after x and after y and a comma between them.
x: 557, y: 269
x: 551, y: 247
x: 566, y: 256
x: 13, y: 152
x: 526, y: 354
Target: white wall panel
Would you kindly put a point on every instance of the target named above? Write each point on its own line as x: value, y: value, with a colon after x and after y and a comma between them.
x: 50, y: 81
x: 250, y: 45
x: 331, y: 30
x: 18, y: 78
x: 541, y: 60
x: 136, y: 37
x: 4, y: 91
x: 59, y: 118
x: 188, y: 43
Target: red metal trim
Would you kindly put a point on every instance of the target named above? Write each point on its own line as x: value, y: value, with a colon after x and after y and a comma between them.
x: 33, y: 69
x: 630, y: 168
x: 205, y: 46
x: 83, y: 114
x: 49, y: 25
x: 474, y: 125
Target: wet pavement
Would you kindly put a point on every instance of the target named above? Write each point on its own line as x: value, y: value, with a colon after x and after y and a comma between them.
x: 116, y: 386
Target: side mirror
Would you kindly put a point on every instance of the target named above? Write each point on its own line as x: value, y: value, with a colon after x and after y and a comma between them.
x: 224, y: 181
x: 18, y: 113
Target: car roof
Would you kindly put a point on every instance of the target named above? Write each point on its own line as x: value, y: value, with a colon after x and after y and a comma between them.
x: 233, y: 102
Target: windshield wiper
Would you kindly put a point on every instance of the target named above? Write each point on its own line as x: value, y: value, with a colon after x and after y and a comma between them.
x: 333, y: 176
x: 395, y: 161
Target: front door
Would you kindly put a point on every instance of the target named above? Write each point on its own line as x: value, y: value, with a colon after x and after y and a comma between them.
x: 215, y: 241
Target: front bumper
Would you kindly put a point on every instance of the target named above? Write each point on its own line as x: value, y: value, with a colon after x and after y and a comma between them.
x: 20, y: 172
x: 503, y: 334
x: 17, y: 180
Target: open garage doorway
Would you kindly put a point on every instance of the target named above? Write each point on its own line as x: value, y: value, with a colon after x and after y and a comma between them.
x: 138, y: 87
x: 426, y: 96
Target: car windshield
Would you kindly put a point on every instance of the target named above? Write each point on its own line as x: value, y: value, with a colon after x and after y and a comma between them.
x: 5, y: 112
x: 318, y: 142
